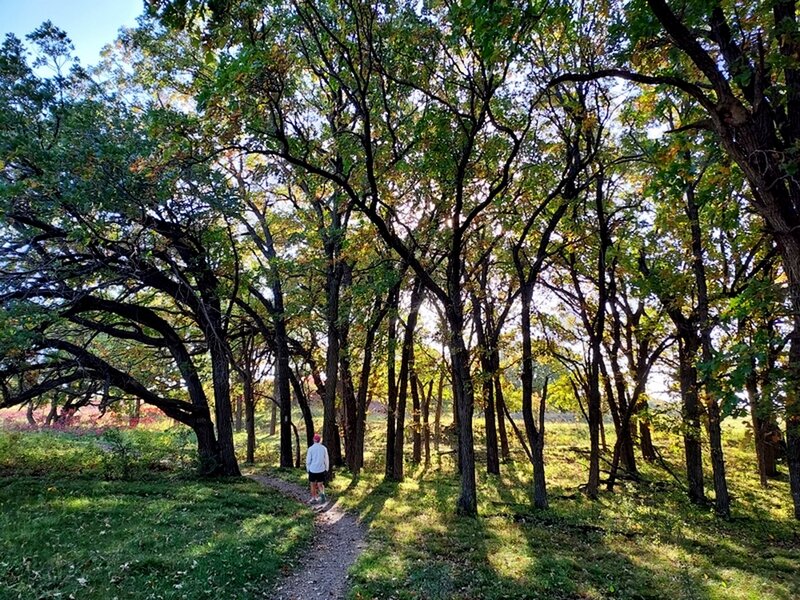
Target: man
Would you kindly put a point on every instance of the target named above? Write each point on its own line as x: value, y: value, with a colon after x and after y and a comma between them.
x: 317, y: 467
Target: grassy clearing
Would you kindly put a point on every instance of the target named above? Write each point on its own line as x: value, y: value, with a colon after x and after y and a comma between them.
x: 110, y: 517
x: 644, y: 540
x: 72, y: 527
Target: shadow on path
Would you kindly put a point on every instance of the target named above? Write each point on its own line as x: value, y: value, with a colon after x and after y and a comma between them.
x: 338, y: 540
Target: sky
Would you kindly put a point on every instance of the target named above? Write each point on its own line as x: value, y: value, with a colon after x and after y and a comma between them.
x: 90, y: 24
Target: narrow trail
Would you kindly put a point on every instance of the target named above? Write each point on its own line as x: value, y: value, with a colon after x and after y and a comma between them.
x: 338, y: 540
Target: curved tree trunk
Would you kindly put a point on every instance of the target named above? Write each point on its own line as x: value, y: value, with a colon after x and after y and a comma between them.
x: 305, y: 409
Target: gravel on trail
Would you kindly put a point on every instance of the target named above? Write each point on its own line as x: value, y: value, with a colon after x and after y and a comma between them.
x: 337, y: 542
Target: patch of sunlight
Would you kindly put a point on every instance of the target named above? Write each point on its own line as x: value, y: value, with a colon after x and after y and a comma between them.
x: 656, y: 554
x: 410, y: 485
x: 82, y: 503
x: 590, y: 592
x: 383, y: 567
x: 406, y: 531
x: 200, y: 550
x: 255, y: 527
x: 783, y: 563
x: 509, y: 563
x: 397, y: 507
x: 731, y: 584
x: 508, y: 560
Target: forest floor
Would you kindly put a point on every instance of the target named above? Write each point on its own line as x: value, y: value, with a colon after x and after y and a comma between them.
x: 337, y: 542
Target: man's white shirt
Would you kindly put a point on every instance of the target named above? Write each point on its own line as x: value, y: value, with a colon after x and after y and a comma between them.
x: 317, y: 458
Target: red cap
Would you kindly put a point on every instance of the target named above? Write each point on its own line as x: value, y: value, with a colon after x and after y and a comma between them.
x: 317, y: 437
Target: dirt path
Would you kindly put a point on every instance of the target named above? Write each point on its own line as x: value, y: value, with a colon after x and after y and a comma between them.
x: 338, y: 540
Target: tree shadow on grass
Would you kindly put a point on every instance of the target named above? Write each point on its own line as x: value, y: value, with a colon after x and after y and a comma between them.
x: 95, y: 540
x: 369, y: 507
x: 641, y: 544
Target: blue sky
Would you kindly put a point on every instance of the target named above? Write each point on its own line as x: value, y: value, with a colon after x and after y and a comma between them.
x: 91, y: 24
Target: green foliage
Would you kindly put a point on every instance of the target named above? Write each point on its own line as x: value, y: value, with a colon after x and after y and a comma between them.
x: 120, y: 454
x: 106, y: 454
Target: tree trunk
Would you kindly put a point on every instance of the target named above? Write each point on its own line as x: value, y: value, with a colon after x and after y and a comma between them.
x: 282, y: 380
x: 714, y: 425
x: 505, y: 452
x: 487, y: 386
x: 416, y: 434
x: 535, y: 436
x: 349, y: 401
x: 406, y: 368
x: 52, y: 414
x: 646, y: 440
x: 220, y: 372
x: 239, y: 413
x: 362, y: 399
x: 250, y: 418
x: 330, y: 430
x: 350, y: 421
x: 595, y: 419
x: 793, y: 407
x: 391, y: 392
x: 437, y: 419
x: 722, y: 502
x: 490, y: 420
x: 687, y: 374
x: 426, y: 426
x: 208, y: 451
x: 462, y: 383
x: 305, y: 409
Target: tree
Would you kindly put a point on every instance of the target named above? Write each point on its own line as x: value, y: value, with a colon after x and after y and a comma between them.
x: 110, y: 235
x: 744, y: 75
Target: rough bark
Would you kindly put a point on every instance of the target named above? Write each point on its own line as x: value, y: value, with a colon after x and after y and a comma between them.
x: 330, y: 429
x: 691, y: 411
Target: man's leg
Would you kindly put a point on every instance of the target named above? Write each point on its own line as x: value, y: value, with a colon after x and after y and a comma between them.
x: 322, y: 491
x: 313, y: 487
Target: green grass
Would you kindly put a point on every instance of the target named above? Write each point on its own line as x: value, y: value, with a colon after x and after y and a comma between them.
x: 105, y: 518
x: 645, y: 540
x: 68, y: 532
